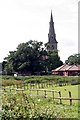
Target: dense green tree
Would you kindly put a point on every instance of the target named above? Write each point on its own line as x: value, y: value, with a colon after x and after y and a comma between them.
x: 27, y: 57
x: 31, y: 57
x: 53, y: 60
x: 73, y: 59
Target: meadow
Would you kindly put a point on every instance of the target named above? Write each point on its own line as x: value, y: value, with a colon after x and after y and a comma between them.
x: 27, y: 100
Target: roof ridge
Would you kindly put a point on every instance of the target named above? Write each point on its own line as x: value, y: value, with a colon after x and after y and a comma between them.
x: 69, y: 66
x: 59, y: 68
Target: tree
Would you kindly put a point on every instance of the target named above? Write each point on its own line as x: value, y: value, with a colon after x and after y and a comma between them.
x: 27, y: 57
x: 31, y: 57
x: 53, y: 60
x: 73, y: 59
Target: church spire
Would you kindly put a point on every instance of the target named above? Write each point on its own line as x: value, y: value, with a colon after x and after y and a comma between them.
x: 51, y: 19
x: 51, y: 27
x: 52, y: 43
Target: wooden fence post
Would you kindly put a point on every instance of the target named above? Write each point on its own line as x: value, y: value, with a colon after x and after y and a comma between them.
x: 60, y: 96
x: 45, y: 94
x: 33, y: 85
x: 42, y: 85
x: 17, y: 86
x: 10, y: 90
x: 70, y: 98
x: 53, y: 94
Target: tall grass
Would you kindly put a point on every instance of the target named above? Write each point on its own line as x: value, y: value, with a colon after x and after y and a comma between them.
x: 41, y: 79
x: 21, y: 107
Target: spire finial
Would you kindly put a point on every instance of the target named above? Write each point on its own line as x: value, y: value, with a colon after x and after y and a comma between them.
x: 51, y: 16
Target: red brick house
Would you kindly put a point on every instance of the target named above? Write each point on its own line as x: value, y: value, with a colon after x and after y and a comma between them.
x: 67, y: 70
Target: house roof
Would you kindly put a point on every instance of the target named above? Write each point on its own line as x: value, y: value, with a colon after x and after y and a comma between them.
x: 74, y: 68
x: 66, y: 67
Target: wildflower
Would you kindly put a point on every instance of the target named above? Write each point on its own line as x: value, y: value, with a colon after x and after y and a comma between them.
x: 38, y: 100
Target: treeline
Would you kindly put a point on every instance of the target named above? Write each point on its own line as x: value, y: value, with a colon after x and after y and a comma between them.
x: 31, y: 58
x: 41, y: 79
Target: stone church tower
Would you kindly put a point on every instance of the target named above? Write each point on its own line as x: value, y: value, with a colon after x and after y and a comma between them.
x: 52, y: 43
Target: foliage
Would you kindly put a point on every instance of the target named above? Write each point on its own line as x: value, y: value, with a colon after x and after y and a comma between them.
x: 11, y: 82
x: 21, y: 106
x: 31, y: 57
x: 73, y: 59
x: 53, y: 60
x: 42, y: 79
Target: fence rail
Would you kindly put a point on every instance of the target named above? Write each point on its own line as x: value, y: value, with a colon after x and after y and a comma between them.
x: 59, y: 92
x: 45, y: 95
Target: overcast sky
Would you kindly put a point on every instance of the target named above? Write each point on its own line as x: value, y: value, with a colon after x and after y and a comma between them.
x: 24, y: 20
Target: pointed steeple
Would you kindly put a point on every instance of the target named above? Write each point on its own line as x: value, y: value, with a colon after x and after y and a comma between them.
x: 52, y: 43
x: 51, y: 28
x: 51, y: 19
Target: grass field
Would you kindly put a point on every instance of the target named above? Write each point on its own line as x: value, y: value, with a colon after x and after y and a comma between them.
x: 64, y: 92
x: 20, y: 102
x: 21, y: 105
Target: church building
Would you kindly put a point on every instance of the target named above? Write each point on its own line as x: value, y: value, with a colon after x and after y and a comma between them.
x: 52, y: 43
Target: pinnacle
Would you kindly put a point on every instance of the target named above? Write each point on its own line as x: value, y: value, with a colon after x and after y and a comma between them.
x: 51, y: 20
